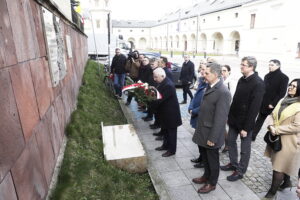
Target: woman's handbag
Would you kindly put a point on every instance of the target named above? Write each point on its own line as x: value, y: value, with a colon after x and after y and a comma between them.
x: 273, y: 141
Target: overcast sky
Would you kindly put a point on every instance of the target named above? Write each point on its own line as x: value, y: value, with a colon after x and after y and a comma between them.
x: 146, y: 9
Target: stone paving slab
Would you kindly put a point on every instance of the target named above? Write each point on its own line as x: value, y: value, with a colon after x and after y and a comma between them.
x: 183, y: 192
x: 172, y: 176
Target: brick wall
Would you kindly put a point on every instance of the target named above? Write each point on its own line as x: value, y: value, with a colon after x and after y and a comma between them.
x: 33, y: 114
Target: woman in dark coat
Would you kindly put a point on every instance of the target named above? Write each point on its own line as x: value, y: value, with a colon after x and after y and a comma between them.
x: 168, y: 111
x: 194, y: 106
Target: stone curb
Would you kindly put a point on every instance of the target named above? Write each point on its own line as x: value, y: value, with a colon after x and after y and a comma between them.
x: 56, y: 171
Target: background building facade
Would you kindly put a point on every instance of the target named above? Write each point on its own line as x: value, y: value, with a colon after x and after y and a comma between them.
x: 264, y: 28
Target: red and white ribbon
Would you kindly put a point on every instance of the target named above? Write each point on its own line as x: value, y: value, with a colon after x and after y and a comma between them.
x: 158, y: 95
x: 141, y: 85
x: 131, y: 87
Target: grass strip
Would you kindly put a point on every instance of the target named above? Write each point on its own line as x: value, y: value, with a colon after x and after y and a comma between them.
x: 84, y: 173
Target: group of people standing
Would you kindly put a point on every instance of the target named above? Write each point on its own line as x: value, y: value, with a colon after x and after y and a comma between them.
x: 165, y: 111
x: 253, y: 99
x: 221, y: 111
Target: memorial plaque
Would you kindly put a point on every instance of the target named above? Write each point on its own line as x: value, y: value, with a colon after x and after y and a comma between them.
x: 69, y: 46
x: 55, y: 46
x: 51, y: 46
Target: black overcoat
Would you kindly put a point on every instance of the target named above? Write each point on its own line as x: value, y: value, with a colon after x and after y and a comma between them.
x: 144, y: 73
x: 167, y: 108
x: 187, y: 72
x: 276, y: 85
x: 118, y: 64
x: 246, y: 103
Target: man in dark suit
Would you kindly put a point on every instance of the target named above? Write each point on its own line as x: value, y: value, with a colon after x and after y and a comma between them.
x: 241, y: 119
x: 168, y: 111
x: 155, y: 125
x: 186, y: 77
x: 276, y: 85
x: 209, y: 134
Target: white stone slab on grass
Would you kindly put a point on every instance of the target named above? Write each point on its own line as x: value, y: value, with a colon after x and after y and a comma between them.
x: 123, y: 149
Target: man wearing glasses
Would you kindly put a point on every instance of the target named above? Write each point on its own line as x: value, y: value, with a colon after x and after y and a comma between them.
x: 276, y: 84
x: 241, y: 119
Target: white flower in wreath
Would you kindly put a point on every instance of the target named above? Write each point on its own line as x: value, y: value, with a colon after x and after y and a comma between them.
x: 139, y: 81
x: 146, y: 85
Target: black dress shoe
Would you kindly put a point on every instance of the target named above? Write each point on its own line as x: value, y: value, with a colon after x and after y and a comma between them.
x: 157, y: 134
x: 199, y: 165
x: 161, y: 148
x: 235, y: 176
x: 196, y: 160
x: 228, y: 167
x: 159, y: 138
x: 167, y: 154
x: 183, y: 102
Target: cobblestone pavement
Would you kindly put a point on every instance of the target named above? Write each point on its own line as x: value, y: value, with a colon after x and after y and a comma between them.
x: 259, y: 174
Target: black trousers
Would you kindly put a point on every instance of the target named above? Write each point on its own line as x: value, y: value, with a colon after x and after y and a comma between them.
x: 156, y: 118
x: 130, y: 94
x: 186, y: 90
x: 170, y: 139
x: 200, y: 155
x: 211, y: 164
x: 242, y: 165
x: 258, y: 124
x: 150, y: 112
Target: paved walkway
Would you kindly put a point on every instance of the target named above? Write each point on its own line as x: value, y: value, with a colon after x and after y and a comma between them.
x: 172, y: 176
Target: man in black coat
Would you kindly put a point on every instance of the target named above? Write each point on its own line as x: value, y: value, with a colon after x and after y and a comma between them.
x: 154, y: 63
x: 241, y: 119
x: 163, y: 64
x: 145, y: 71
x: 186, y: 77
x: 118, y: 69
x: 168, y: 110
x: 276, y: 85
x: 209, y: 134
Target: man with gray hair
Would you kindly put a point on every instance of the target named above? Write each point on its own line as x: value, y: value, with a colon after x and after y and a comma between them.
x: 168, y: 110
x: 241, y: 119
x: 209, y: 133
